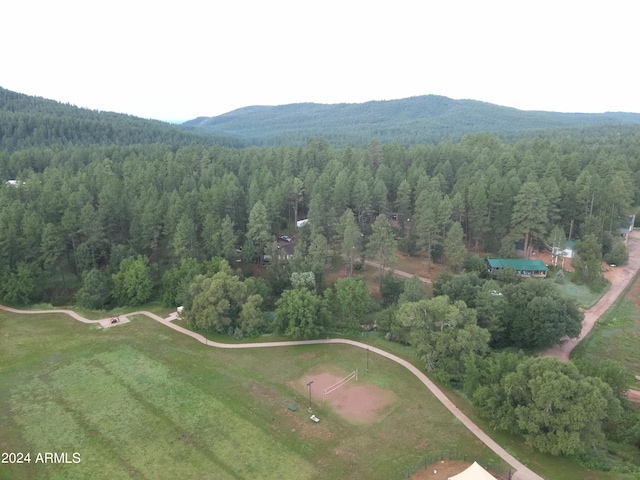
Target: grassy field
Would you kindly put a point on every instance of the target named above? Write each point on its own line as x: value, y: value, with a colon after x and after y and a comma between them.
x: 583, y: 296
x: 142, y: 401
x: 616, y: 335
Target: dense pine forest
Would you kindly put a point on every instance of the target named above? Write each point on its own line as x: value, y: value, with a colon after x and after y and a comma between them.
x: 27, y: 121
x: 102, y: 210
x: 76, y: 209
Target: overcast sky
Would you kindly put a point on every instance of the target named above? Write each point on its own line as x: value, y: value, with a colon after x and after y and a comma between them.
x: 177, y: 60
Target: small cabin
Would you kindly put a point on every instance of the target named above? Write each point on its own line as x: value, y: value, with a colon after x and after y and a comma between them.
x: 524, y: 268
x: 568, y: 252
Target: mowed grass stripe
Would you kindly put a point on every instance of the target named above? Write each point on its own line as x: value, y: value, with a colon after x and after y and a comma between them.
x: 216, y: 425
x: 157, y: 423
x: 49, y: 424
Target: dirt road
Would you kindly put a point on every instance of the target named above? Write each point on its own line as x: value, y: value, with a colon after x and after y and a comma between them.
x: 620, y: 278
x: 400, y: 273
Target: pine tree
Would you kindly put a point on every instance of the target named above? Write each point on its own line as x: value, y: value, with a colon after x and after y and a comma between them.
x: 382, y: 245
x: 529, y: 214
x: 258, y: 230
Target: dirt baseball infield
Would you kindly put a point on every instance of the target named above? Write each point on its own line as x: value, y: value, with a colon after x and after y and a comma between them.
x: 356, y: 401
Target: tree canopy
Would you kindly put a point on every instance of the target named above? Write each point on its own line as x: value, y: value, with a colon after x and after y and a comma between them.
x: 300, y: 314
x: 555, y: 408
x: 444, y: 334
x: 538, y: 316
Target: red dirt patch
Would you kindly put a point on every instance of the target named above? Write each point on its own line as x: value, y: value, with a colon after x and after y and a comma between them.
x: 633, y: 395
x: 613, y: 274
x: 356, y: 401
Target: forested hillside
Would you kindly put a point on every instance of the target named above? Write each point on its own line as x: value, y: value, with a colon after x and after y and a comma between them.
x: 103, y: 210
x: 409, y: 121
x: 78, y: 209
x: 27, y: 121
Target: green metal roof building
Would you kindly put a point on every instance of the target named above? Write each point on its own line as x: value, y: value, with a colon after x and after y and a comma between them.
x: 525, y: 268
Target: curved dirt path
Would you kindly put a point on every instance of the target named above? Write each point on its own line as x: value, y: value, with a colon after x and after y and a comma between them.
x: 400, y: 273
x: 522, y: 472
x: 623, y: 276
x: 620, y: 279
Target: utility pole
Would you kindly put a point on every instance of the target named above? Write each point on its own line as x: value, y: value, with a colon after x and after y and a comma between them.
x: 309, y: 386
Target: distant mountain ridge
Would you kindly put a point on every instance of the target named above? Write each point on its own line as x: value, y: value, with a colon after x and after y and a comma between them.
x: 29, y: 121
x: 425, y: 118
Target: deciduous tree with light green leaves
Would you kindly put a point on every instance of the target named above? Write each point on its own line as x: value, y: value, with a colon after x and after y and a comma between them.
x: 444, y: 334
x: 176, y: 281
x: 19, y: 286
x: 300, y: 314
x: 557, y: 409
x: 538, y: 316
x: 303, y: 280
x: 217, y: 303
x: 251, y: 315
x: 132, y: 283
x: 350, y: 303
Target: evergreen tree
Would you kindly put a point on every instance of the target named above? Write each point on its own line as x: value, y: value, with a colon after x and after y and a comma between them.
x: 258, y: 228
x: 382, y: 245
x: 351, y: 239
x: 426, y: 226
x: 454, y: 247
x: 414, y: 291
x: 529, y: 214
x: 478, y: 209
x: 403, y: 203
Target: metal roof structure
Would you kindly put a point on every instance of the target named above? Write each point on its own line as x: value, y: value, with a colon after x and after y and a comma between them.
x: 518, y: 264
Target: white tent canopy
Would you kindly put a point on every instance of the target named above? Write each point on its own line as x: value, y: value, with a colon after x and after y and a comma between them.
x: 474, y: 472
